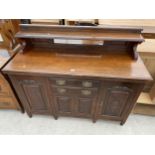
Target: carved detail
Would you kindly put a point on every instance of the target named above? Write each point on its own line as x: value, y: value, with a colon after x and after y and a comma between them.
x: 115, y: 100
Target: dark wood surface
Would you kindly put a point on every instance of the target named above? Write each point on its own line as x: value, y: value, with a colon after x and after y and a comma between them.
x: 108, y: 65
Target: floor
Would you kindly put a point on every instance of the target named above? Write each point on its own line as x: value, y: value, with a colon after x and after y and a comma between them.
x: 13, y: 122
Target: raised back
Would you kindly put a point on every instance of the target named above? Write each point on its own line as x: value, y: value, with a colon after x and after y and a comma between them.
x: 125, y: 37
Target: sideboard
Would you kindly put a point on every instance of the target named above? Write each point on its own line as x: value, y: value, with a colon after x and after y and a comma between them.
x: 64, y: 78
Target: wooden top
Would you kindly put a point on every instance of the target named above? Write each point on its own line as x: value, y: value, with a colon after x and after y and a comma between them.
x: 147, y: 48
x: 47, y: 61
x: 80, y: 32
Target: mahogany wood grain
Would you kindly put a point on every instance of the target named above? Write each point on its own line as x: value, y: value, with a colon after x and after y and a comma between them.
x: 109, y: 65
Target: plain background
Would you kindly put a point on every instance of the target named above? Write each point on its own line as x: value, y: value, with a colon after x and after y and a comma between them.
x: 77, y: 145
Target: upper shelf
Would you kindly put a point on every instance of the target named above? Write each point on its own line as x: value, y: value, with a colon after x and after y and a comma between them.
x: 80, y: 32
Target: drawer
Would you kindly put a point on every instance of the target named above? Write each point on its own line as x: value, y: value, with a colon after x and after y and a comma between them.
x: 84, y: 92
x: 87, y: 92
x: 74, y: 82
x: 6, y: 103
x: 4, y: 89
x: 62, y: 90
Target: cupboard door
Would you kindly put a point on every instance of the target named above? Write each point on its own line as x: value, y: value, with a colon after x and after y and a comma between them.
x: 116, y: 98
x: 32, y: 93
x: 84, y: 106
x: 115, y: 101
x: 64, y: 105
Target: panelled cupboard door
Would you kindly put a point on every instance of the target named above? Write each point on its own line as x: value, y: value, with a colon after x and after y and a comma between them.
x: 85, y: 101
x: 64, y: 105
x: 33, y: 94
x: 116, y: 99
x: 84, y: 106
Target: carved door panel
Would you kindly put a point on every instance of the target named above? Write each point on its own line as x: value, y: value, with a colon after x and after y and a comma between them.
x: 64, y: 105
x: 116, y: 98
x: 115, y: 101
x: 33, y: 94
x: 63, y: 100
x: 84, y: 106
x: 85, y: 100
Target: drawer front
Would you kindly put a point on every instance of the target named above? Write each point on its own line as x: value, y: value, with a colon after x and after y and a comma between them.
x: 62, y: 90
x: 88, y: 93
x: 74, y: 82
x: 81, y: 92
x: 7, y: 103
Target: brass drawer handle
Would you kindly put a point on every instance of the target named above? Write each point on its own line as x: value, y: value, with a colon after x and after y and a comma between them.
x: 87, y: 84
x: 86, y: 92
x: 61, y: 82
x: 61, y: 90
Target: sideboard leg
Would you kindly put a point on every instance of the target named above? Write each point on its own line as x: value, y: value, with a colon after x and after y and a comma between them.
x: 94, y: 120
x: 55, y: 117
x: 122, y: 122
x: 30, y: 115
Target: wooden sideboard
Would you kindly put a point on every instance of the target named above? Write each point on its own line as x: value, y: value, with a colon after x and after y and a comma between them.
x: 101, y: 81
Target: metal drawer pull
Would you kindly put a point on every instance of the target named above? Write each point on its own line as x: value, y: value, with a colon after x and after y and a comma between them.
x: 61, y: 82
x: 61, y: 90
x: 86, y: 92
x: 87, y: 84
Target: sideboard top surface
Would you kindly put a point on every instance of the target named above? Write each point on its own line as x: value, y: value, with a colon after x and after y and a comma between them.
x: 47, y: 61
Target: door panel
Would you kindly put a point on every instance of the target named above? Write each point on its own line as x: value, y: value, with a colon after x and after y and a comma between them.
x: 115, y: 101
x: 84, y: 106
x: 35, y: 96
x: 32, y: 93
x: 64, y: 105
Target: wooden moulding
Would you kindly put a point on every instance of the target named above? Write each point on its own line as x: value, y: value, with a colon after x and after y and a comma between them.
x: 80, y: 32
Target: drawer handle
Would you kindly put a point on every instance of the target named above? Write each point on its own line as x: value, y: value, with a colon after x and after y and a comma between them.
x: 61, y: 82
x: 0, y: 88
x: 61, y: 90
x: 86, y: 92
x: 87, y: 84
